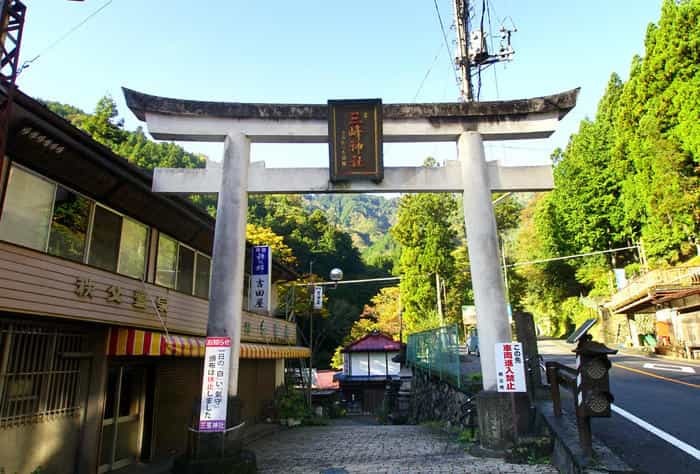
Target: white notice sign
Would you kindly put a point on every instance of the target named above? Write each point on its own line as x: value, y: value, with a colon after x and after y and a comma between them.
x: 217, y: 356
x: 318, y: 297
x: 510, y: 367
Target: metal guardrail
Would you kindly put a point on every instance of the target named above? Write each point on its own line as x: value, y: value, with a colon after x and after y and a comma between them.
x: 437, y: 352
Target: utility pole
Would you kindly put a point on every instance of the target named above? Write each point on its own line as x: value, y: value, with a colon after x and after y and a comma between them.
x: 473, y: 48
x: 439, y: 301
x: 461, y: 8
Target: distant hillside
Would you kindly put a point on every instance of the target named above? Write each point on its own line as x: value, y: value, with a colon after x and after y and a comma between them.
x: 366, y: 218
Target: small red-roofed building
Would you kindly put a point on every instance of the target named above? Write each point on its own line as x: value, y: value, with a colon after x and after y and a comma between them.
x: 367, y: 369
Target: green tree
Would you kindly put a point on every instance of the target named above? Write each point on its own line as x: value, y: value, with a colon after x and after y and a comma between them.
x: 427, y: 238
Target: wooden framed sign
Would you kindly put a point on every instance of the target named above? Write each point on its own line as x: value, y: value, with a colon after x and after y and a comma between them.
x: 355, y: 140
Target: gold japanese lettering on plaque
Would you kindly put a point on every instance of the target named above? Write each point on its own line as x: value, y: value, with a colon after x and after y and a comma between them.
x: 355, y: 140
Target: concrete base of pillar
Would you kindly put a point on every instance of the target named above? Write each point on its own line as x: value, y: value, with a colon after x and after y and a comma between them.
x: 217, y: 452
x: 496, y: 420
x: 524, y: 414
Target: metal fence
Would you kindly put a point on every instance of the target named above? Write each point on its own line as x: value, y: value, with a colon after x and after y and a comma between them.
x: 37, y: 379
x: 436, y: 351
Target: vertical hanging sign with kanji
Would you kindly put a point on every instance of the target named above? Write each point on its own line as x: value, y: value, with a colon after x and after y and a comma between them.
x: 217, y: 357
x: 355, y: 140
x: 259, y: 292
x: 510, y: 367
x: 318, y: 297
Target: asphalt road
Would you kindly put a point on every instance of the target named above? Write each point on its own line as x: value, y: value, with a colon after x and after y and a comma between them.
x: 664, y: 393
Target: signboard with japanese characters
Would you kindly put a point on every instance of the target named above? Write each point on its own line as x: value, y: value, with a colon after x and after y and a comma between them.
x: 318, y: 297
x: 217, y: 356
x: 510, y: 367
x: 355, y: 139
x: 259, y: 292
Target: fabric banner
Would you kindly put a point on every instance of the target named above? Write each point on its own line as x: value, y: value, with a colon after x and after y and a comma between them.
x: 217, y: 357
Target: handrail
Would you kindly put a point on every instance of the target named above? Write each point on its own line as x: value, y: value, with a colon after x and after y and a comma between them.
x: 559, y: 374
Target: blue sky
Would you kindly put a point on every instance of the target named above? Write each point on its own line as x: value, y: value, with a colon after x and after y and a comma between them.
x: 312, y: 51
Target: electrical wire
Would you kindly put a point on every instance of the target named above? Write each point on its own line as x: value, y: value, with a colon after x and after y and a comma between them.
x: 495, y: 78
x: 65, y: 35
x: 427, y: 73
x: 447, y: 43
x: 599, y: 252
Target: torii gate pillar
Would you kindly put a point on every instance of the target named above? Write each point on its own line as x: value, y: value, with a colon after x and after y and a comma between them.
x: 482, y: 241
x: 228, y: 259
x: 496, y: 419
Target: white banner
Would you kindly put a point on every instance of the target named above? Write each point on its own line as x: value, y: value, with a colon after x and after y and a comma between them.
x: 510, y: 367
x: 318, y: 297
x: 217, y: 357
x: 260, y: 268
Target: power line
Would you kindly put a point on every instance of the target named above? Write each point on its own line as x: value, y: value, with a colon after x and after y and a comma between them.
x: 347, y: 282
x: 444, y: 38
x: 65, y: 35
x: 427, y: 73
x: 544, y: 260
x: 495, y: 78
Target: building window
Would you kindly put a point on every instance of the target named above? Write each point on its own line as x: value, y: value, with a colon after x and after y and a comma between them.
x: 182, y: 268
x: 104, y: 242
x: 185, y: 270
x: 27, y: 210
x: 39, y: 378
x: 132, y: 248
x: 166, y: 263
x: 69, y: 224
x: 118, y: 244
x: 201, y: 283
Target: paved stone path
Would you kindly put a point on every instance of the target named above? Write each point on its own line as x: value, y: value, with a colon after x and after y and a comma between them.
x: 377, y: 449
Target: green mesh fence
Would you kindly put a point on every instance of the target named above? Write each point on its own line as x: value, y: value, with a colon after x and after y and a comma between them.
x: 436, y: 351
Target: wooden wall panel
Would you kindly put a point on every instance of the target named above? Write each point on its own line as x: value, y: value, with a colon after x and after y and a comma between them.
x: 36, y: 283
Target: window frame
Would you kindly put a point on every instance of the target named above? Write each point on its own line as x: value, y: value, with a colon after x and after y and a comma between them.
x: 89, y: 237
x: 177, y: 262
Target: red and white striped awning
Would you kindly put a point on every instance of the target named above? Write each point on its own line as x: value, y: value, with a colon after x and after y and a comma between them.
x: 137, y: 342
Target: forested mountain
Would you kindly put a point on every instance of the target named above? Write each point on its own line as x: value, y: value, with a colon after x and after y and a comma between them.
x: 629, y: 175
x: 367, y: 218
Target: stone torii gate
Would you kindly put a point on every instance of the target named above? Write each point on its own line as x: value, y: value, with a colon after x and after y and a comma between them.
x: 240, y: 124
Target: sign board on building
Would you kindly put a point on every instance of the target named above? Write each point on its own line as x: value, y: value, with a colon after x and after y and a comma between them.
x: 318, y: 297
x: 355, y: 139
x: 217, y: 357
x: 469, y: 315
x: 260, y: 268
x: 510, y: 367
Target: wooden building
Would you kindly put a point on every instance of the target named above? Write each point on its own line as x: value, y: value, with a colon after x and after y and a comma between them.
x: 103, y: 307
x: 367, y: 368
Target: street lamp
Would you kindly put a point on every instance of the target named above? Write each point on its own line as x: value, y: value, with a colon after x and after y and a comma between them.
x: 336, y: 276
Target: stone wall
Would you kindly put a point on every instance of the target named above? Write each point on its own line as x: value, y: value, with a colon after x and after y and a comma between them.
x: 433, y: 399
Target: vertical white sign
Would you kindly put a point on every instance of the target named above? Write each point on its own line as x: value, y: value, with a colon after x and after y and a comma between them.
x: 318, y: 297
x: 260, y: 268
x: 217, y: 357
x: 510, y: 367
